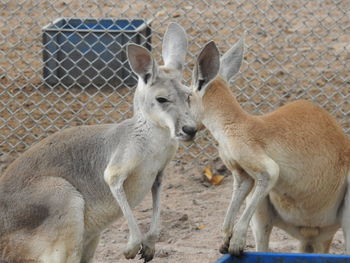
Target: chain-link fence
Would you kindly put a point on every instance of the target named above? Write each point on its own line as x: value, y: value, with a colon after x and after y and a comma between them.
x: 294, y: 49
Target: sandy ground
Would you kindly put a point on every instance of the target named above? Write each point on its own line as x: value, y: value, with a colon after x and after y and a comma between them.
x: 192, y: 216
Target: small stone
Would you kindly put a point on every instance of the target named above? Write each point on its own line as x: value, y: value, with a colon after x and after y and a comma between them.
x: 206, y: 184
x: 195, y: 202
x: 175, y: 225
x: 221, y: 168
x: 184, y: 218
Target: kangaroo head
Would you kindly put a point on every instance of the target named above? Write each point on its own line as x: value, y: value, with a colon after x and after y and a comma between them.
x: 208, y: 66
x: 159, y: 95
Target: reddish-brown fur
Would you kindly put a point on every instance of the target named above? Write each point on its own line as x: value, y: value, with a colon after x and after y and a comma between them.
x: 300, y: 129
x: 293, y: 162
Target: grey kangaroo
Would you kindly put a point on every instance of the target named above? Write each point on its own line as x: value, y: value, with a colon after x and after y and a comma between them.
x: 58, y: 196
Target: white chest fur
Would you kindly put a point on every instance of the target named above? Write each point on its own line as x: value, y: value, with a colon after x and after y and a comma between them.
x: 146, y: 153
x: 140, y: 181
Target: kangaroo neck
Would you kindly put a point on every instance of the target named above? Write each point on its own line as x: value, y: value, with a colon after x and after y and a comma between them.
x: 221, y: 107
x: 219, y: 101
x: 146, y: 127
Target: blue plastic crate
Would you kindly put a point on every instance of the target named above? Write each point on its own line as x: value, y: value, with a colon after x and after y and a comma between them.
x: 256, y: 257
x: 91, y: 51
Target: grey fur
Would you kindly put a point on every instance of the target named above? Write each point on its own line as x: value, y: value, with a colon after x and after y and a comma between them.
x: 58, y: 196
x: 174, y: 47
x: 231, y: 61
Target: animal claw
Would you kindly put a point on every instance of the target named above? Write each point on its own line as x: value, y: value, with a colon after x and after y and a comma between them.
x: 223, y: 249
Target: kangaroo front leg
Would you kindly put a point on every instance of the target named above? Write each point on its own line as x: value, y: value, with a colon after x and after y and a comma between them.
x: 264, y: 181
x: 261, y: 225
x: 115, y: 178
x: 242, y: 185
x: 148, y: 244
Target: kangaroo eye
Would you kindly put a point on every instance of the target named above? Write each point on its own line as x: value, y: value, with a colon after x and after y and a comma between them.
x: 161, y: 100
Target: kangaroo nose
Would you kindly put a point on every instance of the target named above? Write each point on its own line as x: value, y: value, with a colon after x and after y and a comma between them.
x: 189, y: 130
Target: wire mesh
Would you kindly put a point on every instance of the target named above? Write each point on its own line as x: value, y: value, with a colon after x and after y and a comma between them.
x: 296, y: 49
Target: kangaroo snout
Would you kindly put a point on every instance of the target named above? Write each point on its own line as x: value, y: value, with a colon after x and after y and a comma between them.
x: 190, y: 132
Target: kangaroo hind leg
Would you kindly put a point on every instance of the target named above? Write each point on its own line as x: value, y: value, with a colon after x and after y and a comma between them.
x: 55, y: 238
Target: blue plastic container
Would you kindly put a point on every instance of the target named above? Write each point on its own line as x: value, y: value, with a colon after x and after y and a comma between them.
x: 91, y: 51
x: 256, y: 257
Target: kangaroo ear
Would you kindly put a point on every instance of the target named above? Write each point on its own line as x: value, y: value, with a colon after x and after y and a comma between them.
x: 174, y: 47
x: 231, y: 61
x: 142, y: 62
x: 207, y: 66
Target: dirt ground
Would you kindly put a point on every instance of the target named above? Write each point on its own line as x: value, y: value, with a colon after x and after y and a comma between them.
x: 192, y: 216
x: 192, y: 213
